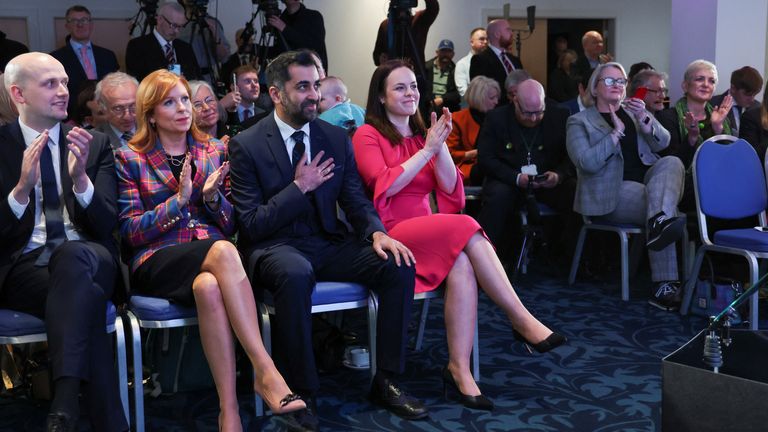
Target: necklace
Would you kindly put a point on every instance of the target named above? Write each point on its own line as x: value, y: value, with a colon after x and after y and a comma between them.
x: 176, y: 161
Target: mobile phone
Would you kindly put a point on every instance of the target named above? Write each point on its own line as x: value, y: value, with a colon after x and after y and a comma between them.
x: 640, y: 93
x: 234, y: 81
x: 540, y: 178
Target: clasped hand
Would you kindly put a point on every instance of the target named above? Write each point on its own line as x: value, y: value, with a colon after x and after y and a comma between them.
x: 309, y: 177
x: 438, y: 133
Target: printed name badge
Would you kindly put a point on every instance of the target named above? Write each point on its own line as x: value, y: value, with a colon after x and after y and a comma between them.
x: 175, y: 68
x: 529, y: 169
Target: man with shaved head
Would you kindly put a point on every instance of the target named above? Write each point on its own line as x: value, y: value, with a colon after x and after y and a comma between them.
x: 494, y: 62
x: 521, y: 146
x: 58, y: 196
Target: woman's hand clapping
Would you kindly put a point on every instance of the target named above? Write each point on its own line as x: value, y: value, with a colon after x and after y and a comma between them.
x: 438, y: 133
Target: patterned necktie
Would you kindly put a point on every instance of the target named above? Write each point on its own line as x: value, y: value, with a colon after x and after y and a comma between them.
x: 90, y: 71
x: 298, y: 148
x: 54, y: 220
x: 507, y: 64
x: 170, y: 56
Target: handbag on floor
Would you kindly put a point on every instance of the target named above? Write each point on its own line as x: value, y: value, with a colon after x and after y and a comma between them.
x: 713, y: 293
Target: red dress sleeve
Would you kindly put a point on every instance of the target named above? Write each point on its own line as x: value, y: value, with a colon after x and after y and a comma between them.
x: 378, y: 162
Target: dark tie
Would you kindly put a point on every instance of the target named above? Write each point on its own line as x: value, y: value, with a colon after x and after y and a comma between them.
x: 169, y: 54
x: 507, y: 64
x: 126, y: 136
x: 246, y: 114
x: 54, y: 221
x: 298, y: 148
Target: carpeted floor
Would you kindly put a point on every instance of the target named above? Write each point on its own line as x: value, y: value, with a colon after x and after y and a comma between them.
x: 607, y: 378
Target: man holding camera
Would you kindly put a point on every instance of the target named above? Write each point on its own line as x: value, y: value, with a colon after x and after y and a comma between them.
x: 300, y: 28
x: 521, y: 149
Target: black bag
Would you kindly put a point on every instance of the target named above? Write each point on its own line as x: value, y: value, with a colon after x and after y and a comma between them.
x: 328, y: 344
x: 712, y: 294
x: 176, y: 360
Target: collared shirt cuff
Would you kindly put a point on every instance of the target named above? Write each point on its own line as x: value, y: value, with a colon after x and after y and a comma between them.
x: 86, y: 197
x: 17, y: 208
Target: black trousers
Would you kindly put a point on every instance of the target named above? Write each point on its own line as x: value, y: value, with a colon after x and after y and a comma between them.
x: 70, y: 295
x: 289, y: 272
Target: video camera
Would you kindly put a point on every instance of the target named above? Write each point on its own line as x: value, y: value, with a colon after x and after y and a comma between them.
x: 269, y: 7
x: 403, y: 4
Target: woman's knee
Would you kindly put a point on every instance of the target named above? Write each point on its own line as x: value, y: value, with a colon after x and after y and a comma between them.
x: 206, y: 286
x: 223, y: 252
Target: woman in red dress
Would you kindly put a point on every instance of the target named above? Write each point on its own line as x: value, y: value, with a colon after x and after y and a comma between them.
x: 401, y: 163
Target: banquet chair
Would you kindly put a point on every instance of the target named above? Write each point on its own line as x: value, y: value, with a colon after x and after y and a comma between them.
x: 21, y: 328
x: 740, y: 194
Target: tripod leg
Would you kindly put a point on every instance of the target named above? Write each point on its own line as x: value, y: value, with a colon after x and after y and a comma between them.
x: 523, y: 252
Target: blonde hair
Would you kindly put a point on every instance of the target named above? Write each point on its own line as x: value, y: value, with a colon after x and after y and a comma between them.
x: 478, y: 90
x: 151, y: 93
x: 592, y: 86
x: 8, y: 112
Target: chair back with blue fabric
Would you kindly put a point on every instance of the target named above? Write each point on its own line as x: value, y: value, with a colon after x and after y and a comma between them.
x: 734, y: 186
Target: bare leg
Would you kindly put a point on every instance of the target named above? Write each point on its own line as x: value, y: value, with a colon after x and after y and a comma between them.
x: 219, y: 347
x: 460, y: 317
x: 494, y: 281
x: 224, y: 263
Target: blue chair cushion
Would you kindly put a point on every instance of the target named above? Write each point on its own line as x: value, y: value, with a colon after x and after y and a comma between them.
x: 158, y: 309
x: 747, y: 238
x: 111, y: 313
x: 328, y: 293
x: 14, y: 323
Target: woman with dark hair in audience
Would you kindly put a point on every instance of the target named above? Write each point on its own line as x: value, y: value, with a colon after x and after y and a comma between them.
x: 482, y: 96
x: 175, y: 217
x: 754, y: 126
x: 401, y: 163
x: 563, y: 85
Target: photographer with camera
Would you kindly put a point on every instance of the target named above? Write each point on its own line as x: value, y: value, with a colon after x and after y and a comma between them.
x: 299, y: 27
x: 521, y: 147
x: 420, y: 22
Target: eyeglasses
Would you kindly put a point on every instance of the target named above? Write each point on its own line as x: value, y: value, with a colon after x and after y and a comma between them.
x: 662, y: 91
x: 201, y: 105
x: 120, y: 110
x: 614, y: 82
x: 80, y: 21
x: 529, y: 114
x: 174, y: 26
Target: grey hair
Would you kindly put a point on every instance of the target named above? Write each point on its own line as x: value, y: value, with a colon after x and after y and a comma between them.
x: 642, y: 78
x: 176, y: 7
x: 111, y: 80
x: 697, y: 65
x: 516, y: 77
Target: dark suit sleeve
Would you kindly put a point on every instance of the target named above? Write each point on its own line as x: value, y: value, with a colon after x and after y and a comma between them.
x: 352, y: 199
x: 491, y: 143
x: 475, y: 66
x: 100, y: 217
x: 452, y: 98
x: 258, y: 218
x: 752, y: 130
x: 133, y: 62
x: 309, y: 32
x: 381, y: 42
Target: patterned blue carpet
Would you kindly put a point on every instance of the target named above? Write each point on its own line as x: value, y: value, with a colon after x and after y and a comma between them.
x: 607, y: 378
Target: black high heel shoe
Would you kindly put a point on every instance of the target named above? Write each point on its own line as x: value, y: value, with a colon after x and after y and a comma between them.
x: 479, y: 402
x: 552, y: 341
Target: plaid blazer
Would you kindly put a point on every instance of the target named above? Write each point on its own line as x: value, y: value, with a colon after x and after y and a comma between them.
x: 599, y: 162
x: 148, y: 205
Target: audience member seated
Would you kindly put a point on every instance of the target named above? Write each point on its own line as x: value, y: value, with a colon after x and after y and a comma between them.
x: 59, y: 261
x: 440, y: 74
x: 175, y: 217
x: 286, y: 204
x: 521, y: 149
x: 494, y: 62
x: 615, y: 146
x: 582, y: 101
x: 478, y: 41
x: 512, y: 81
x: 636, y: 68
x: 746, y: 82
x: 401, y: 164
x: 116, y: 95
x: 82, y: 60
x: 8, y: 113
x: 246, y: 113
x: 207, y: 117
x: 482, y: 96
x: 162, y: 49
x: 10, y: 48
x: 87, y: 114
x: 592, y: 54
x: 336, y: 108
x: 754, y: 126
x: 655, y: 85
x: 563, y: 85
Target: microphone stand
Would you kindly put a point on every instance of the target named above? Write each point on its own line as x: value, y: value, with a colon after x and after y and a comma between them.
x: 719, y: 327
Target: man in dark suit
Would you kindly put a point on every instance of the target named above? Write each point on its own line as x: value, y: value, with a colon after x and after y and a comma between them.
x: 746, y: 82
x: 288, y: 173
x: 592, y: 54
x: 161, y: 49
x: 521, y: 147
x: 81, y: 59
x: 494, y: 62
x: 58, y: 260
x: 116, y: 96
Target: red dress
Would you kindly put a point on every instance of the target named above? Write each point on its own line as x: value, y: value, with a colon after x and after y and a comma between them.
x: 435, y: 239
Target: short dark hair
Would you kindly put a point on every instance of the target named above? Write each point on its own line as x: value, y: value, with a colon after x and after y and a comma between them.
x: 475, y: 30
x: 277, y: 69
x: 637, y: 68
x: 77, y: 8
x: 243, y: 69
x: 376, y: 113
x: 747, y: 79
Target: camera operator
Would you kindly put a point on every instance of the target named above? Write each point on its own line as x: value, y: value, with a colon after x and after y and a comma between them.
x: 420, y: 23
x: 201, y: 28
x: 300, y: 28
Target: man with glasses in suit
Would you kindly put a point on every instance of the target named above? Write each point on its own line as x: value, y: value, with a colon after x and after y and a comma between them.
x: 116, y: 95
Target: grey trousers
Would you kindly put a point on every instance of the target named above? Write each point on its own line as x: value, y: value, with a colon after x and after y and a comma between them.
x: 661, y: 190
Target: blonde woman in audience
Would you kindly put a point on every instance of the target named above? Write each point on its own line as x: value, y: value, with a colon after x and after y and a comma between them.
x: 8, y: 113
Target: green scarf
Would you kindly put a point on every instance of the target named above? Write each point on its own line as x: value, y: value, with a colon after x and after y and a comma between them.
x: 682, y: 107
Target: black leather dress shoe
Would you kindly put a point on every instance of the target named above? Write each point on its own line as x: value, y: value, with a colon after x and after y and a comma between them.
x: 387, y: 394
x: 60, y: 422
x: 304, y: 420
